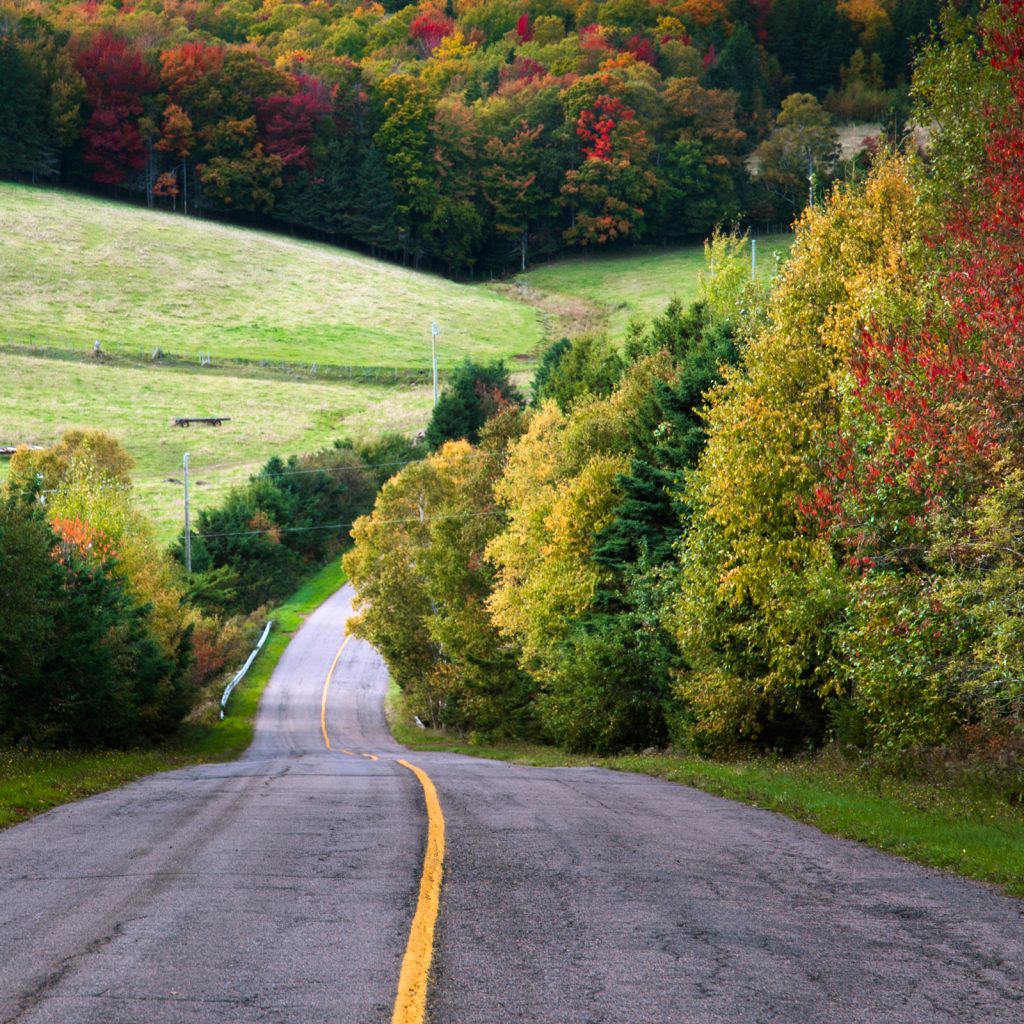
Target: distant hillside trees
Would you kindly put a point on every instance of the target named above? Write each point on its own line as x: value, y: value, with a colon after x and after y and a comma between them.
x: 470, y: 139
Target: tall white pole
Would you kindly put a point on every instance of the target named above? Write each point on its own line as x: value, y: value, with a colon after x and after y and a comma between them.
x: 188, y: 528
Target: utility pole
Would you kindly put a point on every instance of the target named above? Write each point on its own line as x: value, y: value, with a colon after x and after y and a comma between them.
x: 188, y: 528
x: 434, y: 332
x: 753, y: 259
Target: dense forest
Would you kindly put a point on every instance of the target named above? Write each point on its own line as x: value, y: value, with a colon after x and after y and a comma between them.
x: 469, y: 135
x: 773, y: 519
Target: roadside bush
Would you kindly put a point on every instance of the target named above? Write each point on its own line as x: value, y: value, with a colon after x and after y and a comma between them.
x: 79, y: 664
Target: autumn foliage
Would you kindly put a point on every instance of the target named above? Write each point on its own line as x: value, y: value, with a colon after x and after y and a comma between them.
x: 773, y: 521
x: 287, y: 113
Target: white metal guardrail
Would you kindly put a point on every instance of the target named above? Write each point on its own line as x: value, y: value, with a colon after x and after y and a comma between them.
x: 245, y: 668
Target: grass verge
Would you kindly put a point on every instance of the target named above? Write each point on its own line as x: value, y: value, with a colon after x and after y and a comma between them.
x: 961, y: 828
x: 33, y: 781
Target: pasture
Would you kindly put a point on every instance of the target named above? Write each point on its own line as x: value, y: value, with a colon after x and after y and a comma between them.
x: 41, y: 397
x: 75, y: 269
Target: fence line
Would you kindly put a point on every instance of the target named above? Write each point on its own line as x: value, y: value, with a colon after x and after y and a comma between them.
x: 208, y: 361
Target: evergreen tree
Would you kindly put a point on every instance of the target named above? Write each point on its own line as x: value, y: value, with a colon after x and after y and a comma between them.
x: 25, y: 144
x: 372, y: 218
x: 474, y: 394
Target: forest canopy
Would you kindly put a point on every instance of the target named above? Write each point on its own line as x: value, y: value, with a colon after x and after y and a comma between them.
x: 458, y: 135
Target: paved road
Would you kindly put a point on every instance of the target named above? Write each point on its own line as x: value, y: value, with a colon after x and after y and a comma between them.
x: 280, y: 889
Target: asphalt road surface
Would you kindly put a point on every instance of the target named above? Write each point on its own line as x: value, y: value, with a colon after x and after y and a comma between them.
x: 280, y: 888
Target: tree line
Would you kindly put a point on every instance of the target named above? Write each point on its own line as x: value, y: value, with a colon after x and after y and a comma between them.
x: 467, y: 135
x: 771, y: 519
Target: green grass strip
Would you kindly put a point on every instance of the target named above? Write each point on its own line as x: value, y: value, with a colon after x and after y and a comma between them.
x: 959, y: 828
x: 33, y: 781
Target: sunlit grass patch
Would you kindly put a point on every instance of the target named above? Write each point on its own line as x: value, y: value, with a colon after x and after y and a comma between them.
x: 268, y: 416
x: 637, y: 283
x: 76, y: 269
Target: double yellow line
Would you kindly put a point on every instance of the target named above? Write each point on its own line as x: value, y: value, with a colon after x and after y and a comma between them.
x: 411, y: 1000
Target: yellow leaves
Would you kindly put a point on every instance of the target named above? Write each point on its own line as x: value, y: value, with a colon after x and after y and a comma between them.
x: 454, y: 47
x: 559, y: 490
x: 757, y: 591
x: 858, y: 258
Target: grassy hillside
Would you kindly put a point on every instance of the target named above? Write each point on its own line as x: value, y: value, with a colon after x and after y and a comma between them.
x: 74, y: 269
x: 602, y: 292
x: 40, y: 398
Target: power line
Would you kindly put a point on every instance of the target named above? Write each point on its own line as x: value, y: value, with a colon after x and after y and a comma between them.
x: 305, y: 472
x: 347, y: 526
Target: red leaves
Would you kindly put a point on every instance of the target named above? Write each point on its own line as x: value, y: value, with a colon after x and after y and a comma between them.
x: 116, y: 77
x: 428, y: 29
x: 288, y: 122
x: 183, y: 66
x: 596, y: 126
x: 938, y: 414
x: 76, y: 535
x: 641, y: 48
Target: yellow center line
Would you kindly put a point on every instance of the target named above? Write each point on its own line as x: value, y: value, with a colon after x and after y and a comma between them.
x: 323, y: 699
x: 411, y: 1001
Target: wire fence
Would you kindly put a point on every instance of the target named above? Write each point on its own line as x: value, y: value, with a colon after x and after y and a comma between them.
x: 207, y: 362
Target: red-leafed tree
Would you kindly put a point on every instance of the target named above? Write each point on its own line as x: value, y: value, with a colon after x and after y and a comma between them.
x: 116, y: 79
x: 597, y: 124
x: 938, y: 412
x: 288, y: 122
x: 182, y: 67
x: 428, y: 28
x: 116, y: 76
x: 641, y: 48
x: 607, y: 192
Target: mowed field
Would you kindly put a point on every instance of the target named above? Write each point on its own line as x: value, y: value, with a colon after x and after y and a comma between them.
x: 74, y: 269
x: 40, y: 398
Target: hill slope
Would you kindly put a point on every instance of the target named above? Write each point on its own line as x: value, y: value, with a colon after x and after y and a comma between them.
x: 74, y: 269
